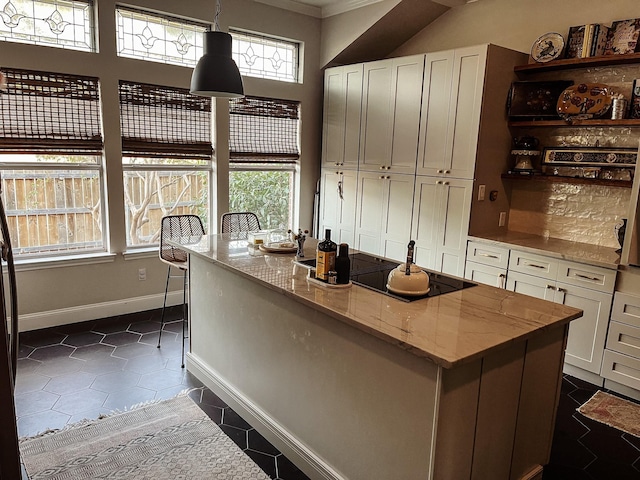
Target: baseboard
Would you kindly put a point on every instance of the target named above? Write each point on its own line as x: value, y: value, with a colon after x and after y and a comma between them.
x: 312, y: 465
x: 65, y: 316
x: 622, y: 389
x: 577, y: 372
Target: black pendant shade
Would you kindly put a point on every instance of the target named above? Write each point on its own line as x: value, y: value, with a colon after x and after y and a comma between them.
x: 216, y: 74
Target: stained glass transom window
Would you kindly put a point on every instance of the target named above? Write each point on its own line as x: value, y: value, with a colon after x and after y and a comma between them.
x: 158, y: 38
x: 54, y: 23
x: 265, y: 57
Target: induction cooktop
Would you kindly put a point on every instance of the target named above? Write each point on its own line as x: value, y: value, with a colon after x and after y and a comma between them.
x: 372, y: 272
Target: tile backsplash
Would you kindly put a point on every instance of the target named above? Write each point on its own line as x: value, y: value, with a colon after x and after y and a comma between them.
x: 575, y: 212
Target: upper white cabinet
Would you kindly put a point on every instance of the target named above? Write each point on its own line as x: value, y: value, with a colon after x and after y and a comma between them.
x: 440, y: 223
x: 338, y: 204
x: 341, y: 120
x: 392, y: 91
x: 451, y: 106
x: 383, y: 218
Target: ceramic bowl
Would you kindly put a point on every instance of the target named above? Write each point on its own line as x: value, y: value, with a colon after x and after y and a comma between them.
x: 417, y: 283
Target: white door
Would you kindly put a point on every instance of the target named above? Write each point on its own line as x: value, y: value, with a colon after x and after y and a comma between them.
x: 370, y: 206
x: 329, y: 200
x: 529, y: 285
x: 456, y: 203
x: 485, y: 274
x: 428, y: 216
x: 353, y: 105
x: 333, y: 117
x: 396, y: 222
x: 346, y: 207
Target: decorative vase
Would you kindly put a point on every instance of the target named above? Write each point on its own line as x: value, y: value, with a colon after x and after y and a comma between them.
x: 620, y: 229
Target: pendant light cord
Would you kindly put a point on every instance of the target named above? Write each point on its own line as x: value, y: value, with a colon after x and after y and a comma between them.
x: 216, y: 25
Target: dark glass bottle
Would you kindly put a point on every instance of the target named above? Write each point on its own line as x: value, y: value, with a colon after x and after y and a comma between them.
x: 325, y: 256
x: 343, y: 264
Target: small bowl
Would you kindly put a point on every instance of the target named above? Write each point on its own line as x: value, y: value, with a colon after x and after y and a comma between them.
x: 416, y: 283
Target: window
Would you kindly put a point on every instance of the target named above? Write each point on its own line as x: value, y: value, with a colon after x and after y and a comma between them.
x: 167, y: 151
x: 265, y: 57
x: 264, y: 153
x: 159, y: 38
x: 50, y: 162
x: 53, y: 23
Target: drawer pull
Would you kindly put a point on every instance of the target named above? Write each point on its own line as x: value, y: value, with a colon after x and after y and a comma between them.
x: 561, y: 290
x: 534, y: 265
x: 551, y: 287
x: 587, y: 277
x: 488, y: 255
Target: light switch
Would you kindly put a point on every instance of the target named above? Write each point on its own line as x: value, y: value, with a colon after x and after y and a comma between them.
x: 481, y: 190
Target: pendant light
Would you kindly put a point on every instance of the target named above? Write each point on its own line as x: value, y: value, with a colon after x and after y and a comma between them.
x: 216, y: 74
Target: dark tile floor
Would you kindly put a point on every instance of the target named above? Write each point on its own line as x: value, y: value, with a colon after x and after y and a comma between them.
x: 69, y: 373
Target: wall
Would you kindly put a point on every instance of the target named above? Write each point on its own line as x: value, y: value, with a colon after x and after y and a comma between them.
x: 68, y: 291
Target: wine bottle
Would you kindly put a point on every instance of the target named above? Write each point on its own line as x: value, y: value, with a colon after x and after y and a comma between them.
x: 325, y: 256
x: 343, y: 264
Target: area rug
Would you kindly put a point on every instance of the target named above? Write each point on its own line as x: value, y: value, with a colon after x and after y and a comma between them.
x: 613, y: 411
x: 169, y: 440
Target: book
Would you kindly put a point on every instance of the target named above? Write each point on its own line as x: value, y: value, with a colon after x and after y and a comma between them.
x: 599, y: 40
x: 575, y: 41
x: 623, y: 37
x: 588, y: 40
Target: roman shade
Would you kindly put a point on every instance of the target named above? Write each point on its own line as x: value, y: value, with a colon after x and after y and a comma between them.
x: 263, y: 130
x: 164, y: 122
x: 50, y: 112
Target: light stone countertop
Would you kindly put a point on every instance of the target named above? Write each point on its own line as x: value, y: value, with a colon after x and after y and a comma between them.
x: 595, y: 255
x: 449, y: 329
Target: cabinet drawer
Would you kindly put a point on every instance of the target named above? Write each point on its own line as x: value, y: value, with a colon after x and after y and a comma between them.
x: 588, y: 276
x: 626, y: 309
x: 621, y: 368
x: 533, y: 264
x: 624, y: 338
x: 492, y: 255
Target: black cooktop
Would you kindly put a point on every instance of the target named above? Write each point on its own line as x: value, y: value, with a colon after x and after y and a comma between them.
x: 372, y: 272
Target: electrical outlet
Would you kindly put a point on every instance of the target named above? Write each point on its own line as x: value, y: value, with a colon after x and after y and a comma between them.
x: 142, y: 274
x: 481, y: 190
x: 503, y: 219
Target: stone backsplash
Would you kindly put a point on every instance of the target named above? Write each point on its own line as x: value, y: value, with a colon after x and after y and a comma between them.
x: 575, y: 212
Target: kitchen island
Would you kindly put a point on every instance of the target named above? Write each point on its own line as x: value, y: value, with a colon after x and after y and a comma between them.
x: 353, y: 384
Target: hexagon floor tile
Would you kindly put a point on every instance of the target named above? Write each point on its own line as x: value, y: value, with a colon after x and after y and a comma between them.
x: 69, y: 373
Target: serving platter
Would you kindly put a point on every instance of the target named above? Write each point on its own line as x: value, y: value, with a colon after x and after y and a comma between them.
x: 584, y: 101
x: 279, y: 247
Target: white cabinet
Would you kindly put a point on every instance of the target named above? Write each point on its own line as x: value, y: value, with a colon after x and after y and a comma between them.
x: 341, y: 116
x: 392, y: 91
x: 586, y: 287
x: 487, y: 264
x: 383, y: 216
x: 440, y: 223
x: 621, y: 362
x: 452, y: 102
x: 338, y: 204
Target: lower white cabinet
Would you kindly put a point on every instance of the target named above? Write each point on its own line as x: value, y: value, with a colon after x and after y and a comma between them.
x: 486, y: 274
x: 621, y: 362
x: 564, y: 282
x: 440, y: 223
x: 383, y: 214
x: 338, y: 204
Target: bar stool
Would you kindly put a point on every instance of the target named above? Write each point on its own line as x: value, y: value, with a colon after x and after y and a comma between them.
x: 233, y: 222
x: 174, y: 227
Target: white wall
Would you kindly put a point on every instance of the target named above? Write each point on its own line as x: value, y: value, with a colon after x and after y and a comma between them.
x: 70, y: 292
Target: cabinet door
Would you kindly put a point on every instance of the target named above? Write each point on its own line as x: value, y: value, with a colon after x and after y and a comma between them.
x: 370, y: 205
x: 341, y: 115
x: 407, y: 91
x: 377, y: 119
x: 441, y: 222
x: 486, y: 274
x: 587, y: 334
x: 464, y: 112
x: 436, y: 136
x: 338, y: 204
x: 396, y: 222
x: 537, y: 287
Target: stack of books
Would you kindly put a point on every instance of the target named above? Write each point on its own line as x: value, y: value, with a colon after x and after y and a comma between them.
x: 587, y: 40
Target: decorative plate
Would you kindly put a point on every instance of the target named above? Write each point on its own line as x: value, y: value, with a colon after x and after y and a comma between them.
x: 279, y: 247
x: 547, y: 47
x: 585, y: 100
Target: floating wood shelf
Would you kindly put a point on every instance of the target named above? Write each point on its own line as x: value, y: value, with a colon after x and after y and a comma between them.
x: 605, y: 122
x: 571, y: 180
x: 569, y: 63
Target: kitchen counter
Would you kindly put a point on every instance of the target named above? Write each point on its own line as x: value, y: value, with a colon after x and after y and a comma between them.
x: 596, y: 255
x: 450, y: 329
x: 350, y: 383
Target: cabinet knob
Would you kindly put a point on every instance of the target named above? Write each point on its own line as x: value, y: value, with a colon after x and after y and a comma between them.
x: 440, y: 171
x: 445, y: 183
x: 551, y: 287
x: 381, y: 177
x: 388, y: 167
x: 381, y: 167
x: 447, y: 171
x: 438, y: 182
x: 388, y: 177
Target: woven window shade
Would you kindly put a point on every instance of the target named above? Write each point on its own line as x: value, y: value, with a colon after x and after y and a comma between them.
x: 164, y: 122
x: 263, y: 130
x: 50, y: 112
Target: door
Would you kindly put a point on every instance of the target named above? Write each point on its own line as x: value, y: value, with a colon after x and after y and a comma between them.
x: 486, y: 274
x: 370, y: 205
x: 456, y: 203
x: 396, y: 222
x: 529, y: 285
x: 338, y: 204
